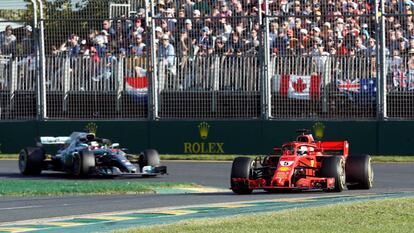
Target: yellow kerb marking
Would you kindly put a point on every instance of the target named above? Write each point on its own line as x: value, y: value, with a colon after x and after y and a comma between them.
x: 113, y: 218
x: 176, y: 212
x: 62, y: 224
x: 17, y: 229
x: 292, y: 200
x: 235, y: 205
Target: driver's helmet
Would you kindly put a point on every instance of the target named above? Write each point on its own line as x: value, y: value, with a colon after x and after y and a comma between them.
x: 94, y: 144
x: 302, y: 150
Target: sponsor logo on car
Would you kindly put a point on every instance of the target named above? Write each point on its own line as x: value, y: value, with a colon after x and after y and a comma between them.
x: 286, y: 163
x: 283, y: 169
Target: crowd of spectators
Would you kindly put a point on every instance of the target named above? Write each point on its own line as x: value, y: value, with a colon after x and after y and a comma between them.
x: 232, y: 28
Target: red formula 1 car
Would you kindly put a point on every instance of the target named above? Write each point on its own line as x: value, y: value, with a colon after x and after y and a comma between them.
x: 304, y: 164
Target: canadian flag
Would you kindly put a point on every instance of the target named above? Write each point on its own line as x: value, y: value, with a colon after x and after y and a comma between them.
x: 298, y: 86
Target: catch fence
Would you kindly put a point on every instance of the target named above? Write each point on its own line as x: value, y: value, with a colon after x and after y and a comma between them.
x: 132, y: 59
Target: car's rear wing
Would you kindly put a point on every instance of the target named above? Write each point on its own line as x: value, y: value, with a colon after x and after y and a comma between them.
x: 52, y: 144
x: 46, y: 140
x: 334, y: 147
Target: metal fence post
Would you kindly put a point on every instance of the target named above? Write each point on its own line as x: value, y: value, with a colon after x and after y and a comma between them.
x: 12, y: 84
x: 383, y: 71
x: 37, y: 41
x: 119, y: 82
x: 66, y: 83
x: 153, y: 91
x: 381, y: 62
x: 42, y: 63
x: 266, y: 93
x: 326, y: 78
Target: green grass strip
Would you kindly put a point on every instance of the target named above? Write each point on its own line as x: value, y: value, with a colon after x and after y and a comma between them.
x: 14, y: 187
x: 392, y: 215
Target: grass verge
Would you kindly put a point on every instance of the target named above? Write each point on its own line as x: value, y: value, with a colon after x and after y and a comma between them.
x: 82, y: 187
x: 392, y: 215
x: 375, y: 158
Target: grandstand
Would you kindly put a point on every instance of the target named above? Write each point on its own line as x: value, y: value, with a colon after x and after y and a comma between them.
x: 222, y: 59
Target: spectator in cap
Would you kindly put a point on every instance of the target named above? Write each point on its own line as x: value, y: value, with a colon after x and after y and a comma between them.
x: 205, y: 42
x: 191, y: 33
x: 197, y: 23
x: 166, y: 52
x: 158, y: 34
x: 27, y: 41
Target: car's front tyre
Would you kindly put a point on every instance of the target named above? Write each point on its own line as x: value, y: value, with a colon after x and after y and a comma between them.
x: 241, y: 168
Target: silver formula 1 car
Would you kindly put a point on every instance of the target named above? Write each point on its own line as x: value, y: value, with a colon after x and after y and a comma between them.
x: 84, y: 154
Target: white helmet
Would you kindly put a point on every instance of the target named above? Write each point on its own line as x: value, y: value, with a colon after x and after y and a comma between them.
x: 94, y: 143
x: 302, y: 150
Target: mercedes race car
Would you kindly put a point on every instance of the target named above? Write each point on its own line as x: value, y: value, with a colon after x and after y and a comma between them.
x: 84, y: 154
x: 304, y: 164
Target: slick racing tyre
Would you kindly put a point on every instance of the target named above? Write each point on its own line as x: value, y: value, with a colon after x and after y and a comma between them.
x: 149, y: 157
x: 83, y: 162
x: 241, y: 168
x: 334, y: 167
x: 359, y: 172
x: 31, y: 160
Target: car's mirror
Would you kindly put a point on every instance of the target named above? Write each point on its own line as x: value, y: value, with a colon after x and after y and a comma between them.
x: 115, y: 145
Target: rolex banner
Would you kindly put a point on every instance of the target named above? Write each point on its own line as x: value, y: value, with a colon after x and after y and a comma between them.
x: 298, y: 86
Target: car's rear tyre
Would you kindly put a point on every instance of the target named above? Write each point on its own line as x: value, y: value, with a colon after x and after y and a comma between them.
x: 334, y: 167
x: 31, y: 160
x: 359, y: 172
x: 149, y: 157
x: 241, y: 168
x: 83, y: 162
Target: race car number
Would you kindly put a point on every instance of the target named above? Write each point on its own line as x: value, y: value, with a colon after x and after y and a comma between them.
x: 286, y: 163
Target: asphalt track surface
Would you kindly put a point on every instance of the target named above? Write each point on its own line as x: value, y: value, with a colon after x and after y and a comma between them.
x: 389, y: 177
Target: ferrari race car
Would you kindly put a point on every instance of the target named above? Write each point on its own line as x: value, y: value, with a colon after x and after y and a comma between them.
x: 304, y: 164
x: 83, y: 154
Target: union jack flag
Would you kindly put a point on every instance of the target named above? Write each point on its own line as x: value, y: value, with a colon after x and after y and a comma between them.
x: 348, y: 85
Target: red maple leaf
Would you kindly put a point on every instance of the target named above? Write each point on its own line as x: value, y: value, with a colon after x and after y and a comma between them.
x: 299, y: 85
